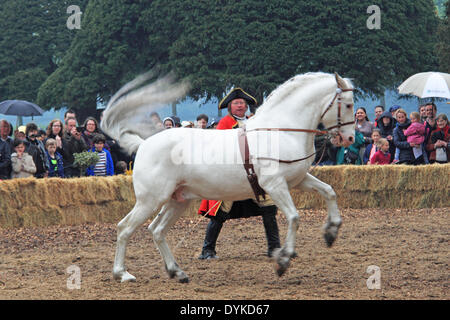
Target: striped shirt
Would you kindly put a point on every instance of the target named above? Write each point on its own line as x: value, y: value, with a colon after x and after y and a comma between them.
x: 100, y: 167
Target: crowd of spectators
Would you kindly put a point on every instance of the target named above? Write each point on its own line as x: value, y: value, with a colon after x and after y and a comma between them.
x: 394, y: 137
x: 29, y: 151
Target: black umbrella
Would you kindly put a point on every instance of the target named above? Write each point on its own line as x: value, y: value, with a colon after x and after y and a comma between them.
x: 20, y: 108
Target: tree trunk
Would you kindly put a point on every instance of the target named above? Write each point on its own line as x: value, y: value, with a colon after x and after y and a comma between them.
x: 383, y: 100
x: 174, y: 109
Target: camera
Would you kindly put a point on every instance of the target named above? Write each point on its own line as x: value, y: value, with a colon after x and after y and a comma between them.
x: 350, y: 157
x: 79, y: 129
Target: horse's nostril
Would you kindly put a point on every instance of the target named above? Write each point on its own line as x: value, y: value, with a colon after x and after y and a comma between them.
x: 350, y: 139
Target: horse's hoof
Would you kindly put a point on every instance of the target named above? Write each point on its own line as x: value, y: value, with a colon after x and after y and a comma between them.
x: 124, y: 277
x: 183, y: 278
x: 282, y: 259
x: 330, y: 233
x: 180, y: 275
x: 280, y: 270
x: 329, y: 239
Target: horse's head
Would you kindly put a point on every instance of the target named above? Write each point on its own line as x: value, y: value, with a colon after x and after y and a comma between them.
x: 338, y: 117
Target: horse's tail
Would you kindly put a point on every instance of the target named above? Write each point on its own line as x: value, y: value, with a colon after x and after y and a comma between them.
x: 127, y: 115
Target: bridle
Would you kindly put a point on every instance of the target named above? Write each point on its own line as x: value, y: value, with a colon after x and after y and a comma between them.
x: 338, y: 125
x: 245, y: 152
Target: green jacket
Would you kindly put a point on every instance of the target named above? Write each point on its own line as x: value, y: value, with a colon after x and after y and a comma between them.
x: 359, y: 142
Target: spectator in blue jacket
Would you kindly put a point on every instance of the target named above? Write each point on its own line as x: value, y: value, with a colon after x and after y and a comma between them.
x: 105, y: 166
x: 55, y: 162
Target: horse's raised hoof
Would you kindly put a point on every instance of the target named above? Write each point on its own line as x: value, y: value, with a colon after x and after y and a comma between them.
x: 282, y: 259
x: 330, y: 233
x: 124, y: 276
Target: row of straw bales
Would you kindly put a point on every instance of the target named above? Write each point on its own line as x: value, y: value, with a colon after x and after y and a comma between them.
x: 41, y: 202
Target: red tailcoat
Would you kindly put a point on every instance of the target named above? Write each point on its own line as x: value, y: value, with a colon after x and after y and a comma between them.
x: 227, y: 122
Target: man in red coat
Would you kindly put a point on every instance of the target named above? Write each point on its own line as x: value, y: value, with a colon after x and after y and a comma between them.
x: 237, y: 102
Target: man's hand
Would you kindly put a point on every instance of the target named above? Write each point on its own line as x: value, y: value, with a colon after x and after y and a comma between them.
x: 74, y: 133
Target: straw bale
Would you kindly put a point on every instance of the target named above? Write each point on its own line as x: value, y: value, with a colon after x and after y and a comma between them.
x: 54, y: 201
x: 42, y: 202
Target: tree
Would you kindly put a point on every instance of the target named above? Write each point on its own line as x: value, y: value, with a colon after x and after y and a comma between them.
x: 443, y: 46
x: 105, y: 52
x: 218, y: 44
x: 260, y: 44
x: 33, y: 39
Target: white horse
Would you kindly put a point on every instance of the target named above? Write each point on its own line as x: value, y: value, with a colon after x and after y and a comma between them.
x: 173, y: 167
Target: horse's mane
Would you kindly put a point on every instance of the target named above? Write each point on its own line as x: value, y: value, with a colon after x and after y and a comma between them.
x: 291, y: 85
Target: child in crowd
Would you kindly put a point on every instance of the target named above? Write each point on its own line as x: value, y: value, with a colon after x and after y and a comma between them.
x: 55, y: 160
x: 41, y: 135
x: 382, y: 156
x: 372, y: 148
x: 22, y: 163
x: 121, y: 167
x: 415, y: 134
x: 105, y: 166
x: 397, y: 150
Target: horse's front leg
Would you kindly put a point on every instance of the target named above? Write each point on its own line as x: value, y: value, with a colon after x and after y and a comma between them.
x: 334, y: 221
x: 279, y: 192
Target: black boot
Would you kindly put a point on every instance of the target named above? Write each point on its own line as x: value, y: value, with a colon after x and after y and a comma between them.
x: 272, y: 235
x: 209, y: 245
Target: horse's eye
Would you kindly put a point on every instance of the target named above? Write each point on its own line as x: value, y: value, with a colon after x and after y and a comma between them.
x: 350, y: 106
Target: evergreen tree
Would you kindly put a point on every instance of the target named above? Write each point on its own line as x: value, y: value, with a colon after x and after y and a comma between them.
x: 259, y: 44
x: 443, y: 46
x: 33, y: 39
x: 104, y: 53
x: 254, y: 44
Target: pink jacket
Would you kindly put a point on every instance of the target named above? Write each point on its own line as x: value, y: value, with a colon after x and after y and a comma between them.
x: 415, y: 133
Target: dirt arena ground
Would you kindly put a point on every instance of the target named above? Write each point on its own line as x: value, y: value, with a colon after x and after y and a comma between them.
x: 410, y: 247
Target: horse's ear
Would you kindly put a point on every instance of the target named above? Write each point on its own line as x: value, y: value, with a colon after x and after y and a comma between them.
x: 341, y: 82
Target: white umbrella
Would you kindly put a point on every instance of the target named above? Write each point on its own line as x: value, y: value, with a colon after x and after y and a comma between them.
x: 427, y: 85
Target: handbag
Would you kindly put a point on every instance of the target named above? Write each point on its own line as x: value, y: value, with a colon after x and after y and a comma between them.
x: 441, y: 155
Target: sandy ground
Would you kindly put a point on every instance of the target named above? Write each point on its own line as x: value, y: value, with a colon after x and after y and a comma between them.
x: 410, y: 248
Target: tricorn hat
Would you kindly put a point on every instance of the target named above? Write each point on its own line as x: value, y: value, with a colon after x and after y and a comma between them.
x: 237, y: 93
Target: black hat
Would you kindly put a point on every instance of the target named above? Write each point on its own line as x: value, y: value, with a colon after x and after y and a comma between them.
x: 237, y: 93
x: 177, y: 121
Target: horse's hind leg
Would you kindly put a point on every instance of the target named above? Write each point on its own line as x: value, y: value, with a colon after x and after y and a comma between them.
x: 125, y: 228
x: 334, y: 221
x: 166, y: 218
